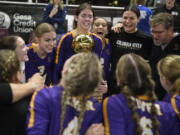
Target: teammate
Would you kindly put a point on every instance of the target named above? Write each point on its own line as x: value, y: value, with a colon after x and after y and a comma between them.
x: 83, y: 20
x: 100, y: 27
x: 128, y: 40
x: 135, y: 110
x: 41, y: 54
x: 168, y: 69
x: 11, y: 114
x: 68, y: 108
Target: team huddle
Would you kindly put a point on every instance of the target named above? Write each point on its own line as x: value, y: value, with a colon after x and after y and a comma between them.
x: 93, y: 80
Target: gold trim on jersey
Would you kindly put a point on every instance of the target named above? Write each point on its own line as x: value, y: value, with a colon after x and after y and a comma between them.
x: 32, y: 114
x: 173, y: 103
x: 105, y: 115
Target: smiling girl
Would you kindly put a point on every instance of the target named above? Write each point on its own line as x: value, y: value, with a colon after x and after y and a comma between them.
x: 128, y: 40
x: 82, y: 24
x: 41, y: 54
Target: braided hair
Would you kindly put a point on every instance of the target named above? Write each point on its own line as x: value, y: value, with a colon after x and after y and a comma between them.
x: 9, y: 65
x: 83, y: 76
x: 134, y: 74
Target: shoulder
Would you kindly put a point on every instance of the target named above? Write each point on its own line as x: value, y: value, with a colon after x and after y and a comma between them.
x: 115, y: 102
x: 49, y: 93
x: 143, y: 35
x: 165, y: 108
x: 95, y: 36
x: 66, y: 37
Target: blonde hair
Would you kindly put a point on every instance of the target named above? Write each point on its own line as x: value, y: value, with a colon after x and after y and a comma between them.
x: 169, y: 67
x: 9, y: 65
x: 83, y: 76
x: 43, y: 28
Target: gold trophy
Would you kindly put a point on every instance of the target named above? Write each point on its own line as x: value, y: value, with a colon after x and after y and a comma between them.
x: 82, y: 43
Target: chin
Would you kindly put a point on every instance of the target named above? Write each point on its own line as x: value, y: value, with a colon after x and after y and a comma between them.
x: 157, y: 44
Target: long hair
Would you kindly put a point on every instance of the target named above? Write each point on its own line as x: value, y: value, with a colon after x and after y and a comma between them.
x: 134, y: 75
x: 169, y: 67
x: 9, y: 65
x: 82, y: 77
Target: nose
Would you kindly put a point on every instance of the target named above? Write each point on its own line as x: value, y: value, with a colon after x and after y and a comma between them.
x: 101, y: 26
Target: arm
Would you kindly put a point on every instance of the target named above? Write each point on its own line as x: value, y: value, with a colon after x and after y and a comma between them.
x: 52, y: 14
x: 19, y: 91
x: 95, y: 129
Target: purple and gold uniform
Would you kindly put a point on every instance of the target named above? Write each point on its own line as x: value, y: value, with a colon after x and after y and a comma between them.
x: 118, y: 117
x: 37, y: 64
x: 45, y: 111
x: 65, y: 50
x: 175, y: 102
x: 105, y: 58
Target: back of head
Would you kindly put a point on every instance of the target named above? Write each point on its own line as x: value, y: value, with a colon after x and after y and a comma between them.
x: 169, y: 67
x: 83, y: 74
x: 134, y: 74
x: 81, y: 77
x: 43, y: 28
x: 9, y: 65
x: 8, y: 42
x: 164, y: 19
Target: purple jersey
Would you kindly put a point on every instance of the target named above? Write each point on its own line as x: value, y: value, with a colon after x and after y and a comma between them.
x: 45, y: 111
x: 105, y: 59
x: 118, y: 117
x: 64, y: 51
x: 37, y: 64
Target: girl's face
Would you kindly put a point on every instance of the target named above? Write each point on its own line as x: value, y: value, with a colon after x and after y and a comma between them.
x: 130, y: 21
x: 84, y: 19
x: 100, y: 27
x: 21, y: 50
x: 47, y: 42
x: 170, y: 3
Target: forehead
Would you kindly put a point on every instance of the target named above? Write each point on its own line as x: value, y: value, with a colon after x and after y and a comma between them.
x: 20, y: 41
x: 48, y: 34
x: 86, y: 11
x: 129, y: 14
x: 100, y: 20
x: 170, y: 0
x: 158, y: 27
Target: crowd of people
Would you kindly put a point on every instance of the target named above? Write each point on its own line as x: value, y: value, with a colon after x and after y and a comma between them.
x: 93, y: 80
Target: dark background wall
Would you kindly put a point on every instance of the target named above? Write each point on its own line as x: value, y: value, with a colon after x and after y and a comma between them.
x: 21, y: 18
